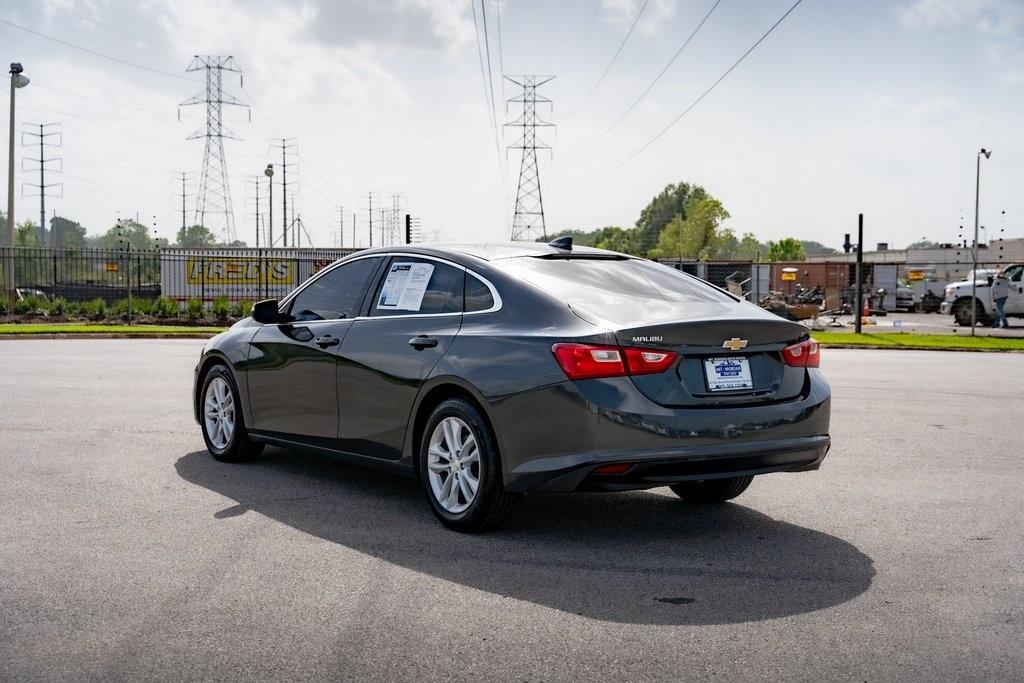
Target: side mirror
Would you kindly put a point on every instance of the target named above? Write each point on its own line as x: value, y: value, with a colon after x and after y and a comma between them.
x: 266, y: 312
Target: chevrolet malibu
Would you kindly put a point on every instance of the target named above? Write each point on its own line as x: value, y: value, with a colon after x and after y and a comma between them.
x: 489, y: 371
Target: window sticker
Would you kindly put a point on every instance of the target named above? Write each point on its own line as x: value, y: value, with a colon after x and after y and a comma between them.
x: 405, y: 286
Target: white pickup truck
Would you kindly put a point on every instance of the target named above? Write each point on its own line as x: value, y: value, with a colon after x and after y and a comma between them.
x: 958, y: 297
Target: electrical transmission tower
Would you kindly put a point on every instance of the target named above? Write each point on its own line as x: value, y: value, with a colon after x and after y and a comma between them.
x: 214, y: 196
x: 43, y: 134
x: 529, y: 211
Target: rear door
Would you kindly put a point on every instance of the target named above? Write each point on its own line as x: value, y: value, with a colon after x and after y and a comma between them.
x: 292, y: 365
x: 412, y: 318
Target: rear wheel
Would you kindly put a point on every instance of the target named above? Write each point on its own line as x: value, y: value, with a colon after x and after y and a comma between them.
x: 711, y: 490
x: 221, y: 419
x: 461, y: 470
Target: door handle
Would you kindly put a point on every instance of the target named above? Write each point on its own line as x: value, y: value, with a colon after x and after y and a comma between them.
x: 421, y: 342
x: 327, y: 340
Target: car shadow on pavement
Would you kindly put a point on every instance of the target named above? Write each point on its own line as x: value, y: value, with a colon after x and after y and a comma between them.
x: 628, y: 557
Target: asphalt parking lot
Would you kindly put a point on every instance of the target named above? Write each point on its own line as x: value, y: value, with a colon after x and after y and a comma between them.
x: 126, y: 552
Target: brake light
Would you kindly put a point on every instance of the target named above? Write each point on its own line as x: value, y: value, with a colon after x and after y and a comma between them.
x: 805, y: 354
x: 591, y: 361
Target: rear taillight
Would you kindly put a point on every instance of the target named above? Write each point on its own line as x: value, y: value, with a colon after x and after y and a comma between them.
x: 590, y: 361
x: 806, y: 354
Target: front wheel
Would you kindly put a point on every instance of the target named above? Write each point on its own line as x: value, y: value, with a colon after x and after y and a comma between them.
x: 711, y: 490
x: 461, y: 470
x: 221, y: 419
x: 962, y: 313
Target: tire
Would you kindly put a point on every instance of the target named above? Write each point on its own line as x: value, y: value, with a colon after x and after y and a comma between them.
x: 447, y: 480
x: 230, y: 442
x: 711, y: 490
x: 962, y: 313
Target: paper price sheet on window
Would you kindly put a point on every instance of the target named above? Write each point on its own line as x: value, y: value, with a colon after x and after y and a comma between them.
x: 405, y: 286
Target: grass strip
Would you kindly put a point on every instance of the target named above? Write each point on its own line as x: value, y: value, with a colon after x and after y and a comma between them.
x: 100, y: 328
x: 904, y: 340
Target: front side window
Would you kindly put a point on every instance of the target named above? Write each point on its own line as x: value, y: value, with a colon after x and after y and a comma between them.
x: 336, y: 294
x: 1013, y: 273
x: 416, y: 286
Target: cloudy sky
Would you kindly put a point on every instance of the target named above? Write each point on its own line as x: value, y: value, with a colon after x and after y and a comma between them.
x: 848, y: 106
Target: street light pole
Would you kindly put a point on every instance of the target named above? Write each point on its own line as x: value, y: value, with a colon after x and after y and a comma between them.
x: 977, y: 203
x: 269, y: 172
x: 18, y: 80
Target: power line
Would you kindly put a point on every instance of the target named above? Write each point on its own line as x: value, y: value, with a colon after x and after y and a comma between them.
x: 95, y: 53
x: 97, y: 99
x: 699, y: 98
x: 501, y: 52
x: 488, y: 95
x: 586, y: 32
x: 604, y: 73
x: 661, y: 73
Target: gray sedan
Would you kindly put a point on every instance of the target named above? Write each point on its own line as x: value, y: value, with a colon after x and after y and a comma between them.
x: 489, y: 371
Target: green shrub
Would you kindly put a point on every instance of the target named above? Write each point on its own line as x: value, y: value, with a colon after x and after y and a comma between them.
x: 22, y: 307
x: 241, y: 309
x: 95, y: 309
x: 195, y: 309
x: 58, y: 306
x: 72, y: 308
x: 143, y: 306
x: 5, y: 305
x: 165, y: 307
x: 221, y: 308
x: 35, y: 305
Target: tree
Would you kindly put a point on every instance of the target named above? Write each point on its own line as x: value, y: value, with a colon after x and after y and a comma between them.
x: 923, y: 244
x: 750, y: 248
x: 127, y: 232
x: 787, y: 249
x: 669, y: 203
x: 196, y: 236
x: 699, y: 231
x: 26, y: 234
x: 67, y: 233
x: 812, y: 248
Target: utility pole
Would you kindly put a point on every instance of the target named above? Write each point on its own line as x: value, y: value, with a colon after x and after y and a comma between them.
x: 529, y: 209
x: 859, y: 275
x: 354, y: 216
x: 341, y: 227
x: 287, y: 144
x: 18, y: 80
x: 42, y: 161
x: 977, y: 205
x: 214, y: 196
x: 408, y: 229
x: 183, y: 227
x: 371, y: 219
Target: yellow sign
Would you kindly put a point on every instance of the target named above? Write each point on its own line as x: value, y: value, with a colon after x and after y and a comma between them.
x: 915, y: 275
x: 239, y: 270
x: 788, y: 277
x: 111, y: 266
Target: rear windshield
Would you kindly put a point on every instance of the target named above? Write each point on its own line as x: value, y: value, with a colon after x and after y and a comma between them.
x: 603, y: 284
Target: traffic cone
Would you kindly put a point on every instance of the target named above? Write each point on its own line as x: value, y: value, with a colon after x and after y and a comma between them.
x: 865, y: 314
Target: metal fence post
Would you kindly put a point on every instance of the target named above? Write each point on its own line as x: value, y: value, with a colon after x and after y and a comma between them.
x: 128, y: 274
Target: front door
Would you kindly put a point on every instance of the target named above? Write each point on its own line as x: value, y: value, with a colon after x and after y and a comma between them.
x: 1015, y: 302
x: 292, y: 365
x: 413, y: 316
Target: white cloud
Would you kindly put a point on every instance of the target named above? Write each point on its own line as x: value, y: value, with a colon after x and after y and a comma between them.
x: 621, y: 13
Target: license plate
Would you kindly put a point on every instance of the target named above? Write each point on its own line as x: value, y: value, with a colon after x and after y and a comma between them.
x: 728, y: 374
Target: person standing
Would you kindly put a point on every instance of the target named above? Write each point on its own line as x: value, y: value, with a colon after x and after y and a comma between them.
x: 1000, y: 290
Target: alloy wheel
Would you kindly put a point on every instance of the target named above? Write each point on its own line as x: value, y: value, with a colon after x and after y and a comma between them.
x: 219, y: 413
x: 453, y: 465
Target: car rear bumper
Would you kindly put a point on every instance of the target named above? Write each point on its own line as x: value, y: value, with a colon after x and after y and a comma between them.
x: 648, y: 469
x: 553, y: 438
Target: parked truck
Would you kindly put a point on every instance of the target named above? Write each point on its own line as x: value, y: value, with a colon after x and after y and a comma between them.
x: 958, y: 296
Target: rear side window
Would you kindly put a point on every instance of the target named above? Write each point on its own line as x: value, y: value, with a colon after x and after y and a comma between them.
x: 415, y: 286
x: 335, y: 294
x: 478, y: 295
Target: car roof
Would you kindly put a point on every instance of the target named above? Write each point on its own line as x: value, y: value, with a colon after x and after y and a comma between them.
x: 495, y: 251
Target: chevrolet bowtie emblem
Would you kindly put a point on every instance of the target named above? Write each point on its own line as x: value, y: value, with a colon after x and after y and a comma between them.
x: 734, y: 344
